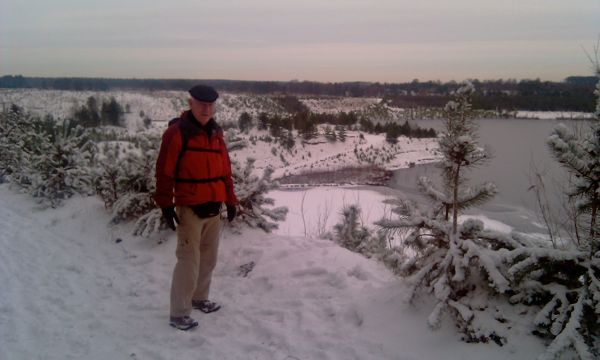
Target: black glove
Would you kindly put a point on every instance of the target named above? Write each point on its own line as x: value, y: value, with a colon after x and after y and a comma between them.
x: 170, y: 216
x: 231, y: 212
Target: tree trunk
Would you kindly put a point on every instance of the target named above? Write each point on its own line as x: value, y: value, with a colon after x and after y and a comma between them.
x: 455, y: 200
x: 595, y: 243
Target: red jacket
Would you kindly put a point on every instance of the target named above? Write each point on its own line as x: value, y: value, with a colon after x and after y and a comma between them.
x: 204, y: 170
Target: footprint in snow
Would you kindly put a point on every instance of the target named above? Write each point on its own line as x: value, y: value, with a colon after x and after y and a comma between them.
x: 359, y: 273
x: 316, y: 271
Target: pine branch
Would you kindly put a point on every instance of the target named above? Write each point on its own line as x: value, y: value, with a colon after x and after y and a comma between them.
x: 466, y: 314
x: 570, y: 337
x: 435, y: 317
x: 489, y: 263
x: 426, y: 186
x: 476, y: 196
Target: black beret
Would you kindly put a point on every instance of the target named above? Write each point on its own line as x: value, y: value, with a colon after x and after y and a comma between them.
x: 204, y: 93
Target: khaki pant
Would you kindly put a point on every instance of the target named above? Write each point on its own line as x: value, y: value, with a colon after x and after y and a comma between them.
x: 197, y: 247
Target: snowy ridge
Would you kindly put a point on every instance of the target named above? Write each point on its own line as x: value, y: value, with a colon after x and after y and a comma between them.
x: 75, y: 288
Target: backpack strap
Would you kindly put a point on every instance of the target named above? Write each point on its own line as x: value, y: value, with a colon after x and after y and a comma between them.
x: 185, y: 137
x: 200, y: 181
x: 184, y: 142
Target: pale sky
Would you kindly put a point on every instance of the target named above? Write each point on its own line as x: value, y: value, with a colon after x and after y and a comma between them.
x: 321, y: 40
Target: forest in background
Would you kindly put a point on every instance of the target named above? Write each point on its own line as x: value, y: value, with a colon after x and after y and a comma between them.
x: 575, y: 93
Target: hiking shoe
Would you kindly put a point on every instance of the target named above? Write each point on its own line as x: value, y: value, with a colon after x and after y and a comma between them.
x: 206, y: 306
x: 183, y: 323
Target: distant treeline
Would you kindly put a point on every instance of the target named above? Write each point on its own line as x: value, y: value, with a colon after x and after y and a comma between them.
x: 575, y: 93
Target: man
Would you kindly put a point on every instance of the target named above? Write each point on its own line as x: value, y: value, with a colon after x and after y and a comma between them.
x: 193, y: 174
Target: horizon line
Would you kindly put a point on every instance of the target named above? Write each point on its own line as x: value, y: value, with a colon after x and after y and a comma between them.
x: 295, y: 80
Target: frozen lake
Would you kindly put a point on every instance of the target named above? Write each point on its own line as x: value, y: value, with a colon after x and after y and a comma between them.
x: 518, y: 147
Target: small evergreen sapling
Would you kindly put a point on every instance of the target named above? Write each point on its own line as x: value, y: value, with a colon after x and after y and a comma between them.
x: 61, y: 166
x: 137, y: 202
x: 251, y: 190
x: 455, y: 262
x: 349, y: 233
x: 355, y: 237
x: 245, y: 122
x: 125, y: 182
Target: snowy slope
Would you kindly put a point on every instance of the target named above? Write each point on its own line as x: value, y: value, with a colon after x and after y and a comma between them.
x: 70, y: 290
x: 161, y: 106
x: 321, y: 155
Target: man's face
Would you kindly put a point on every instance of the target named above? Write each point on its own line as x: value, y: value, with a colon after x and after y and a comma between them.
x: 202, y: 110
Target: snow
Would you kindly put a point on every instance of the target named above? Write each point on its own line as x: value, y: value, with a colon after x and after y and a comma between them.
x: 74, y: 287
x: 321, y: 155
x: 490, y: 224
x: 528, y: 114
x: 315, y: 211
x: 333, y: 105
x: 158, y: 105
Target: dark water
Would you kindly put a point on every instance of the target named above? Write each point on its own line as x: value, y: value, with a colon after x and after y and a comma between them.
x: 519, y: 150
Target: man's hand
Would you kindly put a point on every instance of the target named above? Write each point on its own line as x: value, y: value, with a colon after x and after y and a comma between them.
x: 231, y: 212
x: 170, y: 216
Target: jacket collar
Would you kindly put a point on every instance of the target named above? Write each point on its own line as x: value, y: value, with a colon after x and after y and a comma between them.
x: 209, y: 128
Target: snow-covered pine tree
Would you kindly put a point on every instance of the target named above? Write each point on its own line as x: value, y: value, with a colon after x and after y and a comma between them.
x: 61, y: 166
x: 251, y: 190
x: 288, y: 141
x: 108, y: 179
x: 349, y: 232
x: 454, y: 261
x: 461, y: 152
x: 342, y: 133
x: 355, y: 237
x: 245, y: 122
x: 565, y: 282
x: 309, y: 131
x: 14, y: 126
x: 124, y: 180
x: 234, y: 141
x: 49, y: 158
x: 330, y: 134
x: 136, y: 185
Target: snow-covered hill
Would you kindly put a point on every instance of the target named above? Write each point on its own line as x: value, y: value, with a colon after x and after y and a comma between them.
x: 359, y: 149
x: 73, y: 287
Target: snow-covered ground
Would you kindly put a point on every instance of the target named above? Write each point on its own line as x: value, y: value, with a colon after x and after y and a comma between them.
x: 334, y: 105
x: 568, y: 115
x: 73, y: 287
x: 321, y: 155
x: 314, y: 211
